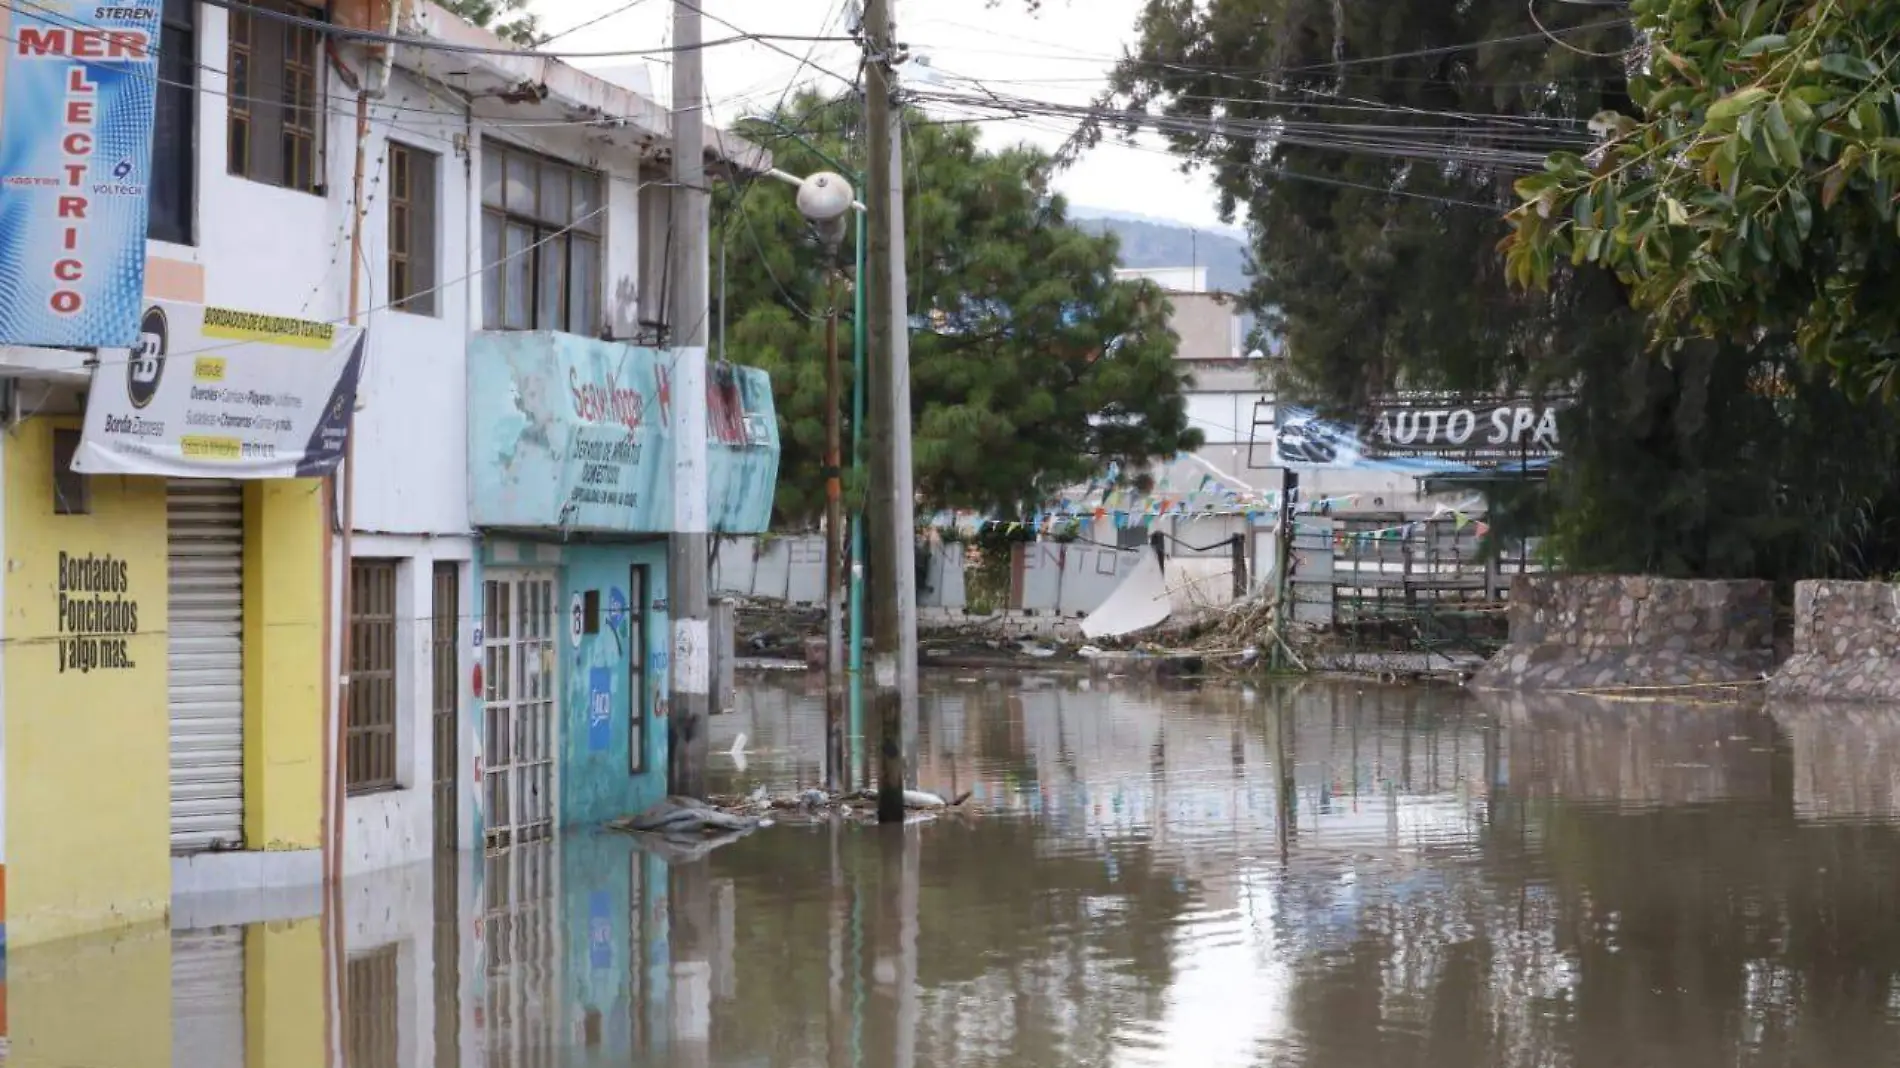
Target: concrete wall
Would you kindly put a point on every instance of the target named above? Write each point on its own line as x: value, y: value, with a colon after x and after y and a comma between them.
x: 1846, y: 643
x: 1594, y: 631
x: 792, y: 569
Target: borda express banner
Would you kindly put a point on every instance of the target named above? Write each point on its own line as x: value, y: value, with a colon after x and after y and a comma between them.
x: 75, y: 162
x: 215, y: 393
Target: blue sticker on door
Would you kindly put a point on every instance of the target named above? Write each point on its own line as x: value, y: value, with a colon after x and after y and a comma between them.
x: 600, y: 700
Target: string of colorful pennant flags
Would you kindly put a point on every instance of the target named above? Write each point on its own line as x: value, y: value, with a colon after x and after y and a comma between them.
x: 1128, y: 508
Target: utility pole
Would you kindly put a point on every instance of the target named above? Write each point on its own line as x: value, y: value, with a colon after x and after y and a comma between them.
x: 893, y: 549
x: 686, y: 568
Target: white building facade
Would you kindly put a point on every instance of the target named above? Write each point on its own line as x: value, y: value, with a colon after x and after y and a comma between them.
x: 502, y: 192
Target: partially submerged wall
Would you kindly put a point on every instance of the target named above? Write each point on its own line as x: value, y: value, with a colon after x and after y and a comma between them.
x: 1580, y: 632
x: 1846, y: 644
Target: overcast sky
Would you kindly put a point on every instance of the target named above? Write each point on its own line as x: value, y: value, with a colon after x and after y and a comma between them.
x: 1060, y: 54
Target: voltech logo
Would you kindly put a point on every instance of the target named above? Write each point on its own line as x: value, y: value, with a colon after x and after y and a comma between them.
x: 147, y: 365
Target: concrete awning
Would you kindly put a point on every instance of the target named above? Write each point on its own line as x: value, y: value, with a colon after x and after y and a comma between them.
x: 521, y: 87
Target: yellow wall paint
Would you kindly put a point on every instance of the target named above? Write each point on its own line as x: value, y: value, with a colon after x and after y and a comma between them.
x: 103, y: 999
x: 87, y: 751
x: 283, y: 994
x: 283, y: 664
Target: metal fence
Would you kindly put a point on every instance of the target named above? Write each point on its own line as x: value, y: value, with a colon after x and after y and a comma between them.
x: 1384, y: 580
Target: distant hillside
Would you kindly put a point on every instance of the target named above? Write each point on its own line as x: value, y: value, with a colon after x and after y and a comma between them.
x: 1154, y: 243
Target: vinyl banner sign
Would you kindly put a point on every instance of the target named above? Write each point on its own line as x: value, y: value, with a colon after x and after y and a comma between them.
x: 215, y: 393
x: 75, y: 160
x: 1483, y: 431
x: 1415, y: 437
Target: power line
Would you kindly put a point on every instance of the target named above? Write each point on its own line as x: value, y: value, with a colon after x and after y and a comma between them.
x: 346, y: 33
x: 595, y: 21
x: 1317, y: 179
x: 1342, y: 137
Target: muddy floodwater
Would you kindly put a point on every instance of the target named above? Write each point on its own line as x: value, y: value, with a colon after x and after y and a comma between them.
x: 1323, y: 874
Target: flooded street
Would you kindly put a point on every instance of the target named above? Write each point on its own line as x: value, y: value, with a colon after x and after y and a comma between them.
x: 1326, y: 874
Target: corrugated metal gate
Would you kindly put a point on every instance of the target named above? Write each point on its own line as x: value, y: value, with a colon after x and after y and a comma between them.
x: 205, y: 548
x: 208, y: 998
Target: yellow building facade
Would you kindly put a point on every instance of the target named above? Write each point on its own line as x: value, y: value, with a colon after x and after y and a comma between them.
x: 100, y: 660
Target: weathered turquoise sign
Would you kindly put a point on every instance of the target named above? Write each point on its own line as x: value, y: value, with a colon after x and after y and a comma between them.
x: 573, y: 434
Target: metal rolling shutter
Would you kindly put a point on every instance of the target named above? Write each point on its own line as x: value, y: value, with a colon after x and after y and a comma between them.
x: 208, y: 998
x: 205, y: 527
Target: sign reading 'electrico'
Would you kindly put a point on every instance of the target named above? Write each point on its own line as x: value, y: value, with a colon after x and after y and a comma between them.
x: 75, y: 154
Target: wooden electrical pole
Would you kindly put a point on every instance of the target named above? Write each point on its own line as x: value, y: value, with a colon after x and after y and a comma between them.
x: 893, y: 568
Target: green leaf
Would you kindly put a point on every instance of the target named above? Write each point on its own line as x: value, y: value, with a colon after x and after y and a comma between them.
x: 1803, y: 213
x: 1831, y: 187
x: 1851, y: 157
x: 1767, y: 42
x: 1867, y: 119
x: 1733, y: 105
x: 1781, y: 136
x: 1668, y: 99
x: 1752, y: 17
x: 1843, y: 65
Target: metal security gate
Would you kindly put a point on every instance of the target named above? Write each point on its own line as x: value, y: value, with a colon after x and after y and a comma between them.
x: 522, y: 933
x: 208, y: 998
x: 520, y: 670
x: 205, y: 548
x: 445, y: 700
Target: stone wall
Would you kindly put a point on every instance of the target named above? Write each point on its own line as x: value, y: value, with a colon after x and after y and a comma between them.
x: 1846, y: 644
x: 1581, y: 632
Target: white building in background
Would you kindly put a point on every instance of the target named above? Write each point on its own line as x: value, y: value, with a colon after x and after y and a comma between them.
x: 1231, y: 399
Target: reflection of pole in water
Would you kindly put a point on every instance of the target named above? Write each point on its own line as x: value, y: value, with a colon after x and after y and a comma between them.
x: 835, y: 1034
x: 1283, y: 778
x: 895, y: 970
x: 691, y: 929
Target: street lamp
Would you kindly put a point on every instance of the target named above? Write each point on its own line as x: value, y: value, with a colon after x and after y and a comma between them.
x: 824, y: 199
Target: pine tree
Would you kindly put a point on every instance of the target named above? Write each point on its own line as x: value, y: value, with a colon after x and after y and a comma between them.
x: 1032, y: 366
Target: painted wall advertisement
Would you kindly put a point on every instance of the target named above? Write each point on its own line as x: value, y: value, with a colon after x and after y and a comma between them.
x: 75, y: 158
x: 569, y: 433
x: 214, y: 393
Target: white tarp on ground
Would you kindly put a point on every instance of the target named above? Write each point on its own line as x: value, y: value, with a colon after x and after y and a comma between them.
x: 1140, y: 602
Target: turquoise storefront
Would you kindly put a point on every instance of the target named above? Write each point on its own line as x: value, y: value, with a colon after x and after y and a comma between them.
x: 571, y: 467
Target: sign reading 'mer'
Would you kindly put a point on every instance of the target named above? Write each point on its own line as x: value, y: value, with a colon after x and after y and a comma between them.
x: 1465, y: 428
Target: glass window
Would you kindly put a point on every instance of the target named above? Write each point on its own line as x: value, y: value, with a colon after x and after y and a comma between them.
x: 552, y: 275
x: 551, y: 301
x: 583, y: 300
x: 274, y: 130
x: 518, y: 293
x: 412, y: 275
x: 493, y: 270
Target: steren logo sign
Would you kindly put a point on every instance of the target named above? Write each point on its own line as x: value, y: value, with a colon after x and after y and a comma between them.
x: 1465, y: 429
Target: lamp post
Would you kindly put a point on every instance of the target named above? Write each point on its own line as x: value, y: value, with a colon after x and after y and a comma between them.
x: 824, y: 199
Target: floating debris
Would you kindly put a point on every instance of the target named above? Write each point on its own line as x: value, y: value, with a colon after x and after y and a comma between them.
x: 818, y: 806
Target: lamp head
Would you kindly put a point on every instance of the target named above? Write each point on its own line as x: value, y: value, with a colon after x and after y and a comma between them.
x: 824, y: 197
